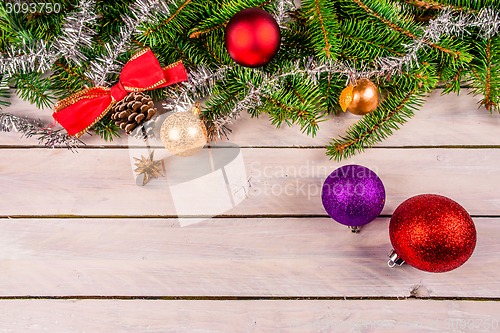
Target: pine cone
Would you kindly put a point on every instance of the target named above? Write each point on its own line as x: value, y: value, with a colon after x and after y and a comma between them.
x: 132, y: 111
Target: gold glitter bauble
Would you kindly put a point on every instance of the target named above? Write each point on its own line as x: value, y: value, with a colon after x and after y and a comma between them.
x: 365, y: 97
x: 183, y: 133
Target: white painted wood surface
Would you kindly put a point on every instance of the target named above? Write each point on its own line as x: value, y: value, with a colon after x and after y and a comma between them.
x: 249, y: 316
x: 85, y: 231
x: 299, y: 257
x: 281, y: 181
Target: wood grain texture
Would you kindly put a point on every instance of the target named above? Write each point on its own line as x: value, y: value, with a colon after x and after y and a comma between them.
x: 260, y: 182
x: 443, y: 120
x: 411, y: 316
x: 298, y: 257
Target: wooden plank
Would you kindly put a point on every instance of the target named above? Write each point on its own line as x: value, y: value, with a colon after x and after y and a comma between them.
x: 443, y: 120
x: 226, y: 257
x: 408, y: 316
x: 250, y: 181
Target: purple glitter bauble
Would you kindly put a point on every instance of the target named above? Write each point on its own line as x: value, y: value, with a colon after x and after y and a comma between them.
x: 353, y: 195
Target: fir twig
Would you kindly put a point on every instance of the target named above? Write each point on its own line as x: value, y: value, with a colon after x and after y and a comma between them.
x: 107, y: 129
x: 35, y: 89
x: 406, y: 32
x: 225, y: 12
x: 323, y: 26
x: 486, y: 78
x: 375, y: 127
x: 405, y: 96
x: 149, y: 31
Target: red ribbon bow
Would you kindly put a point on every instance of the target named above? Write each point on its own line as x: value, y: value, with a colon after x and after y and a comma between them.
x: 142, y: 72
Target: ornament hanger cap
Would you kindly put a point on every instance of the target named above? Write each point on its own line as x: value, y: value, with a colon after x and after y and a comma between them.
x: 196, y: 110
x: 394, y: 259
x: 355, y: 229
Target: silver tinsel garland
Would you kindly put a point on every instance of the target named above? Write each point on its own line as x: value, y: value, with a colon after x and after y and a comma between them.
x: 77, y: 32
x: 200, y: 84
x: 141, y: 11
x: 283, y: 7
x: 34, y: 128
x: 38, y: 56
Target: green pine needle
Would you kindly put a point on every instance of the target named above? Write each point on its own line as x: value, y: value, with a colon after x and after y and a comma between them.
x: 322, y: 23
x: 107, y: 129
x: 34, y: 88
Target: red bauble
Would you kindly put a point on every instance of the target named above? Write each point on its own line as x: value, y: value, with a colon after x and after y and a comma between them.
x: 432, y: 233
x: 253, y: 37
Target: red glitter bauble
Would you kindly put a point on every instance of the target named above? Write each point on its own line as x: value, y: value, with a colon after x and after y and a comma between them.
x: 252, y: 37
x: 432, y: 233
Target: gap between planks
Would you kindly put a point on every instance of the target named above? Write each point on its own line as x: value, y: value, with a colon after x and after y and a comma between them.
x: 409, y: 316
x: 132, y: 147
x: 250, y: 298
x: 194, y: 217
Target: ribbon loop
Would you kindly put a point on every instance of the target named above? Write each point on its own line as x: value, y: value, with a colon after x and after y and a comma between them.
x: 118, y: 92
x: 142, y: 72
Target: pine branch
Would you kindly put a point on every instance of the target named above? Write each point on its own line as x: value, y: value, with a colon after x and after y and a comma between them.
x: 486, y: 79
x: 35, y: 89
x: 404, y: 97
x: 67, y: 80
x: 298, y: 102
x: 223, y: 13
x: 488, y: 99
x: 107, y: 129
x: 330, y: 87
x: 375, y: 127
x: 362, y: 41
x: 324, y: 43
x: 322, y: 23
x: 374, y: 8
x: 154, y: 29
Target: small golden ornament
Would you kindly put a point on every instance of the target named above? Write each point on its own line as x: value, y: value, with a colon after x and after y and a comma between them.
x: 148, y: 167
x: 183, y: 133
x: 346, y: 97
x: 365, y: 97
